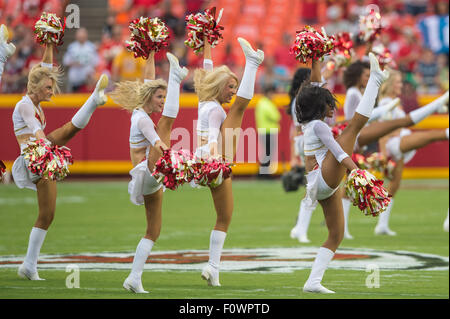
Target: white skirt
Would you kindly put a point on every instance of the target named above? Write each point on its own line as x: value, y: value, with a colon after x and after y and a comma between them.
x: 316, y: 187
x: 393, y: 148
x: 22, y: 175
x: 142, y: 183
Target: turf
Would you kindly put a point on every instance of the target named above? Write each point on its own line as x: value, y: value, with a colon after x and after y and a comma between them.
x: 98, y: 217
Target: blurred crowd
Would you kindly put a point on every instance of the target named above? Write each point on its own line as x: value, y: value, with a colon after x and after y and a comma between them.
x: 415, y: 31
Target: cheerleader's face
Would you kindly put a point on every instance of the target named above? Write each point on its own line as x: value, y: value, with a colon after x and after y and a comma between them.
x: 228, y: 91
x: 397, y: 86
x: 329, y: 112
x: 156, y: 103
x: 364, y: 78
x: 46, y: 91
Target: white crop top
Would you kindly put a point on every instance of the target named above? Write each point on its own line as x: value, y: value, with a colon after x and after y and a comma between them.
x: 142, y: 130
x: 210, y: 117
x: 318, y: 139
x: 26, y: 118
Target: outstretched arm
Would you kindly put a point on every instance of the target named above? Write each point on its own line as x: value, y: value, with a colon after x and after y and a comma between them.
x: 316, y: 74
x: 207, y: 55
x: 207, y: 49
x: 48, y: 54
x: 149, y: 71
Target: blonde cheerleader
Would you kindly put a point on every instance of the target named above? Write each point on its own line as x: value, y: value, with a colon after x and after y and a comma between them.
x: 142, y: 99
x: 29, y: 122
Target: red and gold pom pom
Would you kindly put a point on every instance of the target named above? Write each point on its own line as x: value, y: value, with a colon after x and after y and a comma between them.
x: 311, y: 44
x: 360, y: 160
x: 213, y: 172
x: 202, y: 25
x: 338, y: 128
x: 377, y: 162
x: 147, y: 35
x: 47, y: 161
x: 343, y: 49
x: 370, y: 26
x: 174, y: 168
x: 367, y: 192
x: 49, y: 29
x: 384, y: 56
x: 2, y: 170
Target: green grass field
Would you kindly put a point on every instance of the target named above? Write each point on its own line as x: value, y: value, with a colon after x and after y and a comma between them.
x: 98, y: 217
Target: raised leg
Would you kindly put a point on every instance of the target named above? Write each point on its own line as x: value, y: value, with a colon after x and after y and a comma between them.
x: 231, y: 126
x: 421, y: 139
x: 62, y: 135
x: 372, y: 132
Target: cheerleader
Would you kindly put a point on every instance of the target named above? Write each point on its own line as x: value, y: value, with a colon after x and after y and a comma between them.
x: 146, y: 144
x: 402, y: 144
x: 29, y: 122
x: 327, y: 159
x: 358, y: 80
x: 215, y: 87
x: 355, y: 81
x: 300, y: 230
x: 6, y: 49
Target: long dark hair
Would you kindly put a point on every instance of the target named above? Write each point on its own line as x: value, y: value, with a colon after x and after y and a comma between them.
x: 300, y: 76
x: 354, y: 72
x: 312, y: 101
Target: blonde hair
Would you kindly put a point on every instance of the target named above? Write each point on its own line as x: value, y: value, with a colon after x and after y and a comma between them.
x: 38, y: 74
x: 209, y: 84
x: 131, y: 95
x: 387, y: 86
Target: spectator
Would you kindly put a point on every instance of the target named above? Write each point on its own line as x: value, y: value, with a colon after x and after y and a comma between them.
x: 336, y: 22
x: 409, y: 51
x: 283, y: 58
x: 310, y: 12
x: 442, y: 61
x: 416, y: 7
x: 428, y: 73
x: 109, y: 48
x: 274, y: 76
x: 435, y: 29
x: 194, y: 6
x: 126, y: 67
x: 81, y: 58
x: 267, y: 118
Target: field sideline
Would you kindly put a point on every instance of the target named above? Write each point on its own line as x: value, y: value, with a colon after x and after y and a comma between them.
x: 97, y: 217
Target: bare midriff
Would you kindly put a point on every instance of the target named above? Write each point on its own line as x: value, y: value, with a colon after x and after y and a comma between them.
x: 23, y: 138
x: 310, y: 163
x: 202, y: 140
x: 137, y: 155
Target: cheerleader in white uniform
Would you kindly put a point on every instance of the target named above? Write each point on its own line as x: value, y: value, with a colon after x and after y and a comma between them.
x: 401, y: 145
x: 29, y: 122
x: 327, y: 159
x: 6, y: 49
x: 146, y: 141
x: 354, y: 79
x: 215, y: 87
